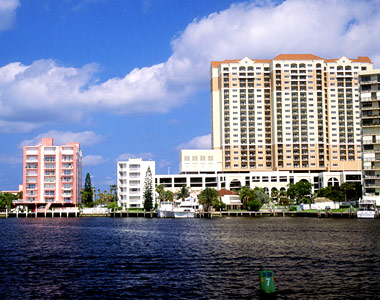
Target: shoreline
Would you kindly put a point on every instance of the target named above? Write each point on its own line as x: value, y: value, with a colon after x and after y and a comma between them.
x: 208, y: 215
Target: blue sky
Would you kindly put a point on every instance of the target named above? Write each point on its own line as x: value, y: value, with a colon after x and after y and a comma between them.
x: 130, y: 78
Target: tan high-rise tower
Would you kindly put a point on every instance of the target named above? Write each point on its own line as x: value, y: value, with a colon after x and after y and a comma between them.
x: 370, y: 107
x: 296, y: 112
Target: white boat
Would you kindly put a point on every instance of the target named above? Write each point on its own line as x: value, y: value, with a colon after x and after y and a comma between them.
x: 186, y: 209
x: 166, y: 210
x: 367, y: 209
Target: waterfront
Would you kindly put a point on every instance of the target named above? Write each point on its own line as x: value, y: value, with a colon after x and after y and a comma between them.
x: 128, y: 258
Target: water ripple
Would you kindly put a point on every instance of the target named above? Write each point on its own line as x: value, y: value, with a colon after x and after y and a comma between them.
x: 104, y: 258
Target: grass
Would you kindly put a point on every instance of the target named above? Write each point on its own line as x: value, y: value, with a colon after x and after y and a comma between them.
x: 322, y: 210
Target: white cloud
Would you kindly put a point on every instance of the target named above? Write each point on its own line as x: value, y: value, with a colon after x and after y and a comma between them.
x: 7, y: 13
x: 93, y: 160
x: 199, y: 142
x: 163, y: 163
x: 85, y: 138
x: 11, y: 159
x: 143, y: 155
x: 19, y: 126
x: 47, y: 91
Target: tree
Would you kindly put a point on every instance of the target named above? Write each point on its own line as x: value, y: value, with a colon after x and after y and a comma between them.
x: 349, y: 190
x: 113, y: 206
x: 168, y: 196
x: 148, y: 190
x: 246, y: 194
x: 275, y: 194
x: 254, y: 205
x: 183, y: 193
x: 260, y: 195
x: 300, y: 192
x: 160, y: 190
x: 87, y: 193
x: 113, y: 192
x: 333, y: 193
x: 6, y: 200
x: 209, y: 197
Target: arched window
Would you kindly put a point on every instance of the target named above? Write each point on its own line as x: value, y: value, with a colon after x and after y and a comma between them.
x: 293, y: 66
x: 339, y: 68
x: 235, y: 184
x: 302, y: 66
x: 278, y: 66
x: 318, y: 65
x: 274, y: 193
x: 242, y: 69
x: 347, y: 68
x: 333, y: 181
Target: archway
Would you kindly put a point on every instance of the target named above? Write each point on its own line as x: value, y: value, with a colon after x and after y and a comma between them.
x: 333, y: 181
x: 235, y: 184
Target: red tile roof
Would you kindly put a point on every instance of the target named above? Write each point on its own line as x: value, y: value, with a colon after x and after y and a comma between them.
x: 365, y: 59
x: 224, y: 192
x: 216, y: 64
x: 362, y: 59
x: 297, y: 57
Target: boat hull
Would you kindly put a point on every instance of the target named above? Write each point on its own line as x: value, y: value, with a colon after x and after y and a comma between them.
x: 165, y: 214
x: 366, y: 215
x: 183, y: 214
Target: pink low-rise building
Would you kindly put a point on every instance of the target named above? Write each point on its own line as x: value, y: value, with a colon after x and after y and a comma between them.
x: 52, y: 175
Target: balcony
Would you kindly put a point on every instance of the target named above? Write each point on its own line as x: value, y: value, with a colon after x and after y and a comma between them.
x: 31, y: 166
x: 49, y: 166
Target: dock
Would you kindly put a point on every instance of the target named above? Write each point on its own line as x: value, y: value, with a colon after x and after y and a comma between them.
x: 274, y: 213
x: 153, y: 214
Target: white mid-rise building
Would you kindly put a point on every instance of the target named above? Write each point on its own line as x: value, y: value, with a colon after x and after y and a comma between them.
x: 130, y: 182
x: 200, y: 161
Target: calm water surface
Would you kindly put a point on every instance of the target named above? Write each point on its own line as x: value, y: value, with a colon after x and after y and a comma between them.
x: 137, y: 258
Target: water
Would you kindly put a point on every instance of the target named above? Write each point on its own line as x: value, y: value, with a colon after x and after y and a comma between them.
x: 137, y: 258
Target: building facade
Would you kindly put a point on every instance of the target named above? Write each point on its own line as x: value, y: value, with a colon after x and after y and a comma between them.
x: 295, y: 113
x: 370, y: 114
x: 268, y: 180
x: 200, y: 161
x: 52, y: 175
x: 130, y: 182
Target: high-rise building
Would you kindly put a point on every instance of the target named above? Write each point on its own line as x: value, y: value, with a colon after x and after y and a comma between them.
x: 131, y: 179
x: 52, y: 175
x: 295, y: 112
x: 370, y: 113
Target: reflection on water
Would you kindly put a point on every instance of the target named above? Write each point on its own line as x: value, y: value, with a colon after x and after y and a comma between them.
x: 98, y: 258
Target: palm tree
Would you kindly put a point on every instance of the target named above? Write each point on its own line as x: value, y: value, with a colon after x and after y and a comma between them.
x: 275, y: 193
x: 160, y: 190
x: 246, y: 194
x: 113, y: 192
x: 168, y: 196
x: 208, y: 197
x: 183, y: 193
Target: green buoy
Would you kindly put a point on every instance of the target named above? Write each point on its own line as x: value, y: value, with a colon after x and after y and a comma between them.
x: 267, y: 281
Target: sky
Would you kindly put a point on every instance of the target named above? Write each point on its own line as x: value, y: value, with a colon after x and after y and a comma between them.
x: 130, y: 78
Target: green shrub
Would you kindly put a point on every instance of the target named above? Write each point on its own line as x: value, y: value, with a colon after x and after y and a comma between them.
x: 253, y: 205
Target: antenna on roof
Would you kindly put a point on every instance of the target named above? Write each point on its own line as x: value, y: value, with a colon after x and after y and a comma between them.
x: 168, y: 170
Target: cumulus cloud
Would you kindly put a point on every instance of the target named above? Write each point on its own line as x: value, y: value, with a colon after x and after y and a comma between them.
x: 326, y: 28
x: 7, y: 13
x: 143, y: 155
x: 163, y: 163
x: 93, y: 160
x: 199, y: 142
x: 85, y: 138
x: 10, y: 159
x: 19, y: 126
